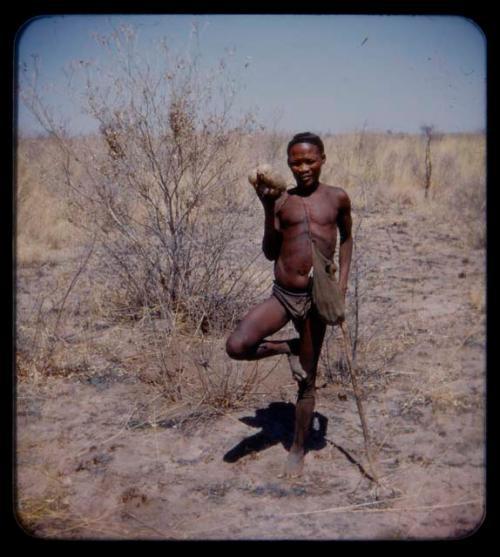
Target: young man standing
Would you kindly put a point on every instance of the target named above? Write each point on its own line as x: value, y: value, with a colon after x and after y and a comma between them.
x: 308, y: 214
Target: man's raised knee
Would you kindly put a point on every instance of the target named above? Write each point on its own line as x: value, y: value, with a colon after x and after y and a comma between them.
x: 235, y: 348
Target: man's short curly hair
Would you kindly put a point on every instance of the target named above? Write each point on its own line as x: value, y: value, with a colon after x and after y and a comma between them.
x: 306, y: 137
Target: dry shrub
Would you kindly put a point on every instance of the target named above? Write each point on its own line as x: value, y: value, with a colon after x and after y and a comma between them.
x: 156, y: 185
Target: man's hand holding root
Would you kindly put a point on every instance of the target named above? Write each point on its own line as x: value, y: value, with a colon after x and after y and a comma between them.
x: 266, y: 194
x: 267, y: 183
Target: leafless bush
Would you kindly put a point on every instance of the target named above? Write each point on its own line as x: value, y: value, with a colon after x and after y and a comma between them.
x: 155, y: 184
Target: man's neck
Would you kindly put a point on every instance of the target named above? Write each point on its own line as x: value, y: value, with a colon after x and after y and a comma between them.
x: 306, y: 191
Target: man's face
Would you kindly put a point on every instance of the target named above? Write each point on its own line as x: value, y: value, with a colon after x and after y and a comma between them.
x: 305, y: 161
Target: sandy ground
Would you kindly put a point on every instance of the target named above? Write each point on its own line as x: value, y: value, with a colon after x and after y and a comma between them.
x: 105, y: 457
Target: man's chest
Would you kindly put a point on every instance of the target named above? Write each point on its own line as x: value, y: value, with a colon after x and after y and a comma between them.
x: 298, y: 211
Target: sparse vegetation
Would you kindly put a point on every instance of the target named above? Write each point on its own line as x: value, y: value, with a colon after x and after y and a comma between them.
x: 138, y: 248
x: 387, y: 172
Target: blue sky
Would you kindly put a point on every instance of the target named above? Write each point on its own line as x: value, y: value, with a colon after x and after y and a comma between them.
x: 327, y: 73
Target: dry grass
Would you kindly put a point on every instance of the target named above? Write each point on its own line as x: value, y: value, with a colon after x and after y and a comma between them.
x: 42, y: 224
x: 377, y: 170
x: 373, y: 168
x: 50, y: 504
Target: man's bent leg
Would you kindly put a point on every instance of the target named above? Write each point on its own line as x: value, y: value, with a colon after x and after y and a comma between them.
x: 311, y: 341
x: 248, y: 342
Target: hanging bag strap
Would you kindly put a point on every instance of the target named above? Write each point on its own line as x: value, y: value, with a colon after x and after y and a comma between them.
x: 306, y: 213
x: 326, y: 294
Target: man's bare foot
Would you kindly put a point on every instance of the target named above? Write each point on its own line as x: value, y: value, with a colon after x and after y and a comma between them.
x: 294, y: 465
x: 298, y: 372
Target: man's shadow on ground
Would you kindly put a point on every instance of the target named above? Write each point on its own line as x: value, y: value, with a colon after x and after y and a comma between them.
x: 277, y: 424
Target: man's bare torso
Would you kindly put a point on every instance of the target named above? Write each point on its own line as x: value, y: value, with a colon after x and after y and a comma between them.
x: 294, y: 261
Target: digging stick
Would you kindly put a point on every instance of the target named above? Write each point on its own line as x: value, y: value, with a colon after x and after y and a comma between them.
x: 357, y: 395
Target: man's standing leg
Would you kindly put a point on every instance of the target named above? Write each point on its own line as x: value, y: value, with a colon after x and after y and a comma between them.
x: 312, y: 333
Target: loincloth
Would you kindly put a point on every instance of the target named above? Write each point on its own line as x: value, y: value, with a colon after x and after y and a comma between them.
x: 297, y: 303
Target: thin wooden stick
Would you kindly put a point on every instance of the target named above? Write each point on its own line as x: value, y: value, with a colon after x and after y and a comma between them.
x: 357, y: 395
x: 358, y: 508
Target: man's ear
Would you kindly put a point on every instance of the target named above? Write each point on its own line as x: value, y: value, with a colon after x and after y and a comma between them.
x: 323, y: 158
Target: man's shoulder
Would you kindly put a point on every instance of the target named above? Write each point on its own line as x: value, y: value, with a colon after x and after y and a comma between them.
x: 336, y: 192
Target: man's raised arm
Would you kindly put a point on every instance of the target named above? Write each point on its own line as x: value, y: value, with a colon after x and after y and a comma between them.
x: 344, y: 223
x: 271, y: 243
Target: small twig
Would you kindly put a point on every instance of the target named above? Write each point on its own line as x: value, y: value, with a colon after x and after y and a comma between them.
x: 85, y: 522
x: 348, y: 508
x: 357, y: 508
x: 72, y: 284
x: 352, y: 459
x: 152, y: 528
x: 357, y: 394
x: 424, y: 508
